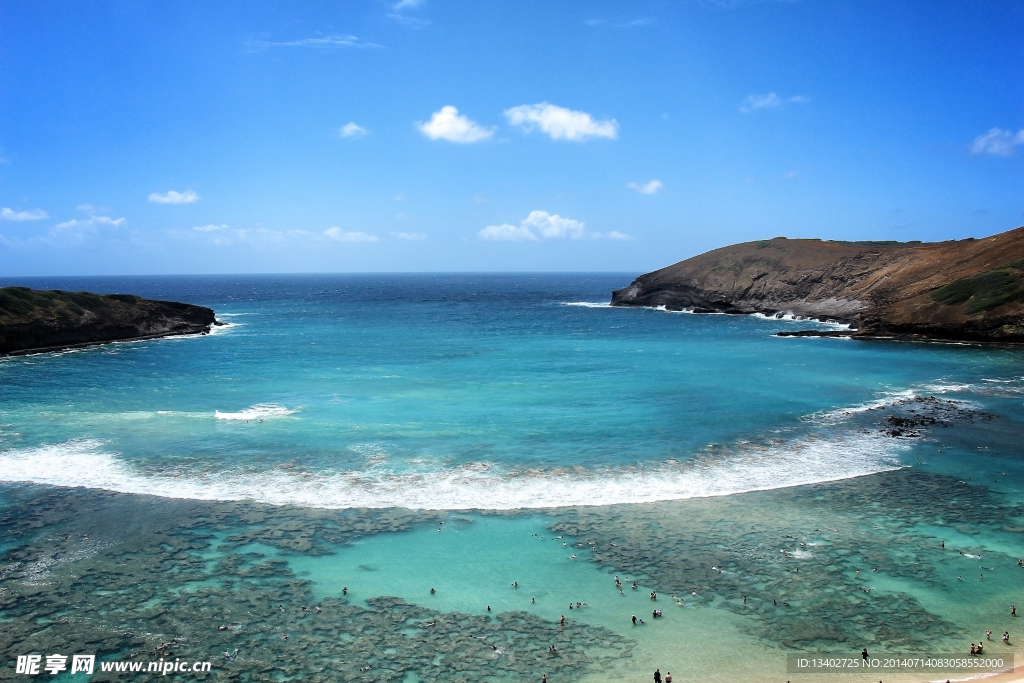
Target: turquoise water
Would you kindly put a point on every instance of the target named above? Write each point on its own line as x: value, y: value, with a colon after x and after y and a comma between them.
x: 527, y: 394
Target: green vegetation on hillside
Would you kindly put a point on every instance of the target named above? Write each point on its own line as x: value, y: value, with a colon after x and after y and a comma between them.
x: 984, y: 291
x: 21, y: 304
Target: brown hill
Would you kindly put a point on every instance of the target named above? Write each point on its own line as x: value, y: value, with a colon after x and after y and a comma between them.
x: 966, y: 290
x: 36, y: 320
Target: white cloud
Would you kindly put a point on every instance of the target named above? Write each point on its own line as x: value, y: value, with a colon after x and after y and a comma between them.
x: 561, y: 123
x: 553, y: 226
x: 613, y: 235
x: 447, y: 124
x: 406, y: 4
x: 7, y: 214
x: 352, y: 130
x: 172, y: 197
x: 769, y: 101
x: 651, y: 187
x: 320, y: 42
x: 998, y: 141
x: 539, y: 224
x: 340, y: 235
x: 411, y: 236
x: 506, y: 232
x: 91, y: 221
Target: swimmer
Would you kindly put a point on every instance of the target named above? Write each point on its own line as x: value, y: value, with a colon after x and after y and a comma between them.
x: 515, y: 584
x: 635, y: 586
x: 283, y: 636
x: 960, y: 578
x: 561, y: 622
x: 654, y: 595
x: 943, y: 545
x: 280, y: 607
x: 533, y: 601
x: 432, y: 591
x: 579, y: 605
x: 344, y: 590
x: 488, y: 608
x: 744, y: 599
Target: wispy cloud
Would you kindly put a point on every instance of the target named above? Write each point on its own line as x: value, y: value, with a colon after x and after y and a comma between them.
x: 331, y: 42
x: 91, y: 221
x: 411, y: 236
x: 8, y: 214
x: 404, y: 19
x: 650, y: 187
x: 339, y: 235
x: 613, y: 235
x: 448, y: 124
x: 560, y: 123
x: 998, y: 142
x: 172, y: 197
x: 352, y: 130
x: 411, y: 22
x: 769, y: 101
x: 631, y: 23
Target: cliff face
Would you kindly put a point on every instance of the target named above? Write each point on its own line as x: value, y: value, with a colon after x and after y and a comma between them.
x: 970, y: 290
x: 34, y: 320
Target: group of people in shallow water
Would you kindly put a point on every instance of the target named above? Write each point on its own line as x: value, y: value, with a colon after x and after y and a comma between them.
x: 659, y: 679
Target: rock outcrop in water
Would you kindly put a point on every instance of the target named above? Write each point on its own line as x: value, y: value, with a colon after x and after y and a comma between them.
x: 966, y: 290
x: 36, y: 320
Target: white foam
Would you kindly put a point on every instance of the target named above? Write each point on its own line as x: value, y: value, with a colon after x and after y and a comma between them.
x: 587, y: 304
x: 87, y: 463
x: 790, y: 317
x: 256, y: 412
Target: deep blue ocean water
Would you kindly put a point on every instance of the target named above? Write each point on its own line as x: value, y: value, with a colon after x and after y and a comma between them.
x: 477, y: 391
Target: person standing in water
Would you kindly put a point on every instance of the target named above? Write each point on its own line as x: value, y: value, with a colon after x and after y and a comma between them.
x: 657, y: 676
x: 668, y: 677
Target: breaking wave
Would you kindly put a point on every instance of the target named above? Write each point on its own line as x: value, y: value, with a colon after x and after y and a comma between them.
x: 89, y: 463
x: 257, y: 412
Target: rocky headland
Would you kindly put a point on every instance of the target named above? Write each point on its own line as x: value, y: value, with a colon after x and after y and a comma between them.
x: 969, y: 290
x: 33, y: 321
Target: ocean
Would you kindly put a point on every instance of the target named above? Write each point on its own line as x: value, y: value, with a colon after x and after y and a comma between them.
x: 515, y: 444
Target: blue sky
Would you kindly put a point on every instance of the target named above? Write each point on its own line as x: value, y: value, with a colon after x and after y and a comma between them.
x: 430, y: 135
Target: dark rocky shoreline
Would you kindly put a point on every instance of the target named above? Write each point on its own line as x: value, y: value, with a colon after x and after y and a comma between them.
x: 966, y: 291
x: 39, y: 321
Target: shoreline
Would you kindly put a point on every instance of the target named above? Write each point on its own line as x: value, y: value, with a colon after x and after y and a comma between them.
x: 84, y: 345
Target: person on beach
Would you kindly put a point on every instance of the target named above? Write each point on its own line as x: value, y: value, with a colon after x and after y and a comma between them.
x: 973, y: 649
x: 864, y: 654
x: 988, y: 635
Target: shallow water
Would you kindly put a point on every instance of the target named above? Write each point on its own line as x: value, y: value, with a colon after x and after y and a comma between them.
x: 693, y: 453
